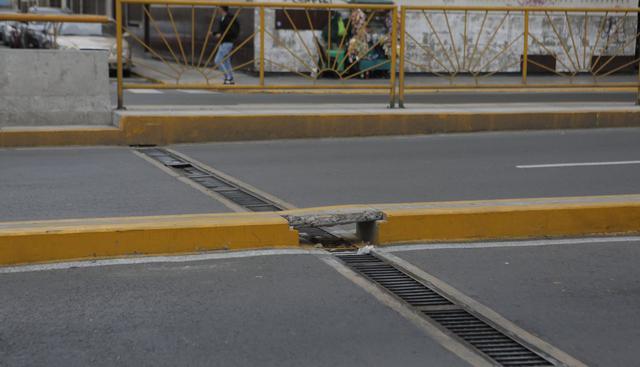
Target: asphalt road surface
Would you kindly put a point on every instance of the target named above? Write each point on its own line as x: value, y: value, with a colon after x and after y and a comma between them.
x: 101, y: 182
x: 90, y: 182
x: 581, y: 297
x: 432, y: 168
x: 291, y: 310
x: 260, y: 311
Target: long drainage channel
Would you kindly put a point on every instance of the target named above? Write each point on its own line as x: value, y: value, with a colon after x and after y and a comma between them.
x: 237, y: 194
x: 440, y: 309
x: 478, y: 334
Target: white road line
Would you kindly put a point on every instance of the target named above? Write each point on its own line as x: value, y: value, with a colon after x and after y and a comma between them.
x: 158, y: 259
x: 471, y: 245
x: 145, y: 91
x: 253, y: 253
x: 555, y: 165
x: 197, y: 91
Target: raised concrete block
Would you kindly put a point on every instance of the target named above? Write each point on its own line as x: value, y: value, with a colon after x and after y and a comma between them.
x: 53, y: 87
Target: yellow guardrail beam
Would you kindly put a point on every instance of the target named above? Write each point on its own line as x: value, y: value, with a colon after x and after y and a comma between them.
x: 522, y: 9
x: 252, y: 87
x: 260, y: 5
x: 602, y: 86
x: 19, y: 17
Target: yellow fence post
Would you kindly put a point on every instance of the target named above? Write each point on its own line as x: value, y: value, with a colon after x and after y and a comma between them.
x: 394, y: 51
x: 525, y: 50
x: 262, y: 46
x: 403, y: 21
x: 119, y: 51
x: 638, y: 93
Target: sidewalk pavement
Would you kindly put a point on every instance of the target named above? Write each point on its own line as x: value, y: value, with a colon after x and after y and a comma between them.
x: 165, y: 72
x: 375, y: 109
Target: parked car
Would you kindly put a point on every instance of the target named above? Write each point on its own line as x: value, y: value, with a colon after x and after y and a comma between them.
x: 4, y: 23
x: 39, y: 34
x: 94, y: 37
x: 11, y: 34
x: 9, y: 30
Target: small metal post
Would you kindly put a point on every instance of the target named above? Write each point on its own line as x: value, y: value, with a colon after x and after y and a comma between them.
x: 394, y: 51
x: 638, y: 92
x: 525, y: 51
x: 119, y: 51
x: 55, y: 34
x: 262, y: 46
x: 403, y: 21
x: 147, y: 39
x: 637, y: 52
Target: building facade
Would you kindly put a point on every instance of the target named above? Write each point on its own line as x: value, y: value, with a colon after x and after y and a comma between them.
x: 427, y: 41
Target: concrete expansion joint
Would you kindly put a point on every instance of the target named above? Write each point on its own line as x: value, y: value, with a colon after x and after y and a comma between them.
x: 332, y: 218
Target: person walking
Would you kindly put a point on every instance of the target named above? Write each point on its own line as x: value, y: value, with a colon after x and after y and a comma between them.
x: 227, y: 34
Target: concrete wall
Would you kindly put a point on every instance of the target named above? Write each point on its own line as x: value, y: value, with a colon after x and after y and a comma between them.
x: 442, y: 51
x: 51, y: 87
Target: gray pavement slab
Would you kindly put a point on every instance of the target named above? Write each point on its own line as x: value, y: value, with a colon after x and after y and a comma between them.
x: 582, y: 298
x: 258, y: 311
x: 38, y: 184
x: 164, y: 97
x: 431, y: 168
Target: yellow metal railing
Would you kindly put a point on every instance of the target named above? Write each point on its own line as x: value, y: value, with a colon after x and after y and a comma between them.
x: 589, y: 46
x: 428, y: 48
x: 183, y: 57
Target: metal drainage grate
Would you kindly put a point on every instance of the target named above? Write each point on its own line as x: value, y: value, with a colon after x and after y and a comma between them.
x: 212, y: 181
x: 392, y: 279
x: 477, y: 333
x: 234, y: 193
x: 486, y: 338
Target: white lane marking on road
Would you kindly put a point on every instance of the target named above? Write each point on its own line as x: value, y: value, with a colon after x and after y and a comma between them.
x: 145, y: 91
x: 158, y: 259
x: 469, y: 245
x: 584, y: 164
x: 198, y: 91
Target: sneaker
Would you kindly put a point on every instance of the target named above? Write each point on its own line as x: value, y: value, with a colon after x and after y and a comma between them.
x: 229, y: 82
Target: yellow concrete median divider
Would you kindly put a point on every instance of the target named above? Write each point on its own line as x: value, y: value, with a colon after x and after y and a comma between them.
x: 162, y: 127
x: 509, y: 219
x: 63, y: 240
x: 33, y: 242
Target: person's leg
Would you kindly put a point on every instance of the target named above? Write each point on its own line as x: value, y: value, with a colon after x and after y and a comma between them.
x: 220, y: 60
x: 228, y: 68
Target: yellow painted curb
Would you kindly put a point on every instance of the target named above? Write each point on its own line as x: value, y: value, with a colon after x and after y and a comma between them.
x: 497, y: 219
x: 161, y: 129
x: 526, y: 220
x: 61, y: 240
x: 31, y: 242
x: 60, y: 136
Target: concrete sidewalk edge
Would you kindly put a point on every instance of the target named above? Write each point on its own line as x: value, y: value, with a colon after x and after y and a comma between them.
x: 64, y: 240
x: 161, y: 128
